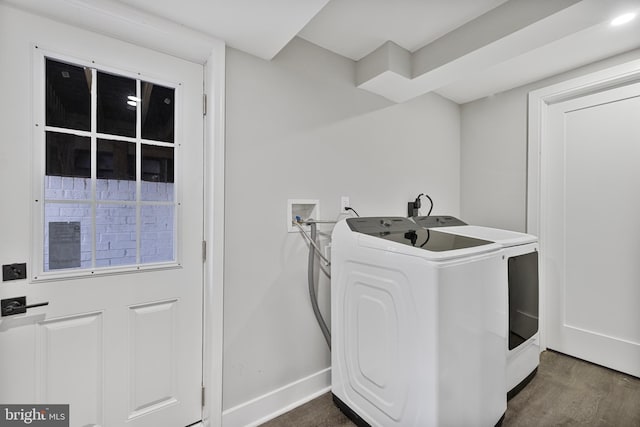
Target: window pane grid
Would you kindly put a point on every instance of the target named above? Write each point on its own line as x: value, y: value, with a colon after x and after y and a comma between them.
x: 128, y: 225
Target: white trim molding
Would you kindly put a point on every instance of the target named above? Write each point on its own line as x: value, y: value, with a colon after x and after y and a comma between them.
x: 539, y: 102
x: 214, y: 233
x: 270, y: 405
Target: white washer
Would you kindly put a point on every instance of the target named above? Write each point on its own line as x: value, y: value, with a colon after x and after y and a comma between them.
x: 520, y: 277
x: 417, y: 321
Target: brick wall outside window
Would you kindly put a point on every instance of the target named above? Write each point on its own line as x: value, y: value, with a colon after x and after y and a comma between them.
x: 115, y: 223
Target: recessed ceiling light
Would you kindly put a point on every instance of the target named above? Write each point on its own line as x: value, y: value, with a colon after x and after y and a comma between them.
x: 133, y: 98
x: 132, y: 103
x: 623, y: 19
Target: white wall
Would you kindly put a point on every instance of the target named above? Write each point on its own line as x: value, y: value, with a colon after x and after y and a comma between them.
x: 493, y: 158
x: 297, y: 127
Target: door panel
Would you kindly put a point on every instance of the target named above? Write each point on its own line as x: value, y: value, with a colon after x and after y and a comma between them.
x: 121, y: 347
x: 152, y: 336
x: 592, y: 242
x: 72, y: 341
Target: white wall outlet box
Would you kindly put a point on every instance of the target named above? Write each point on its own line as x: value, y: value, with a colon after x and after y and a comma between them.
x: 344, y: 203
x: 304, y: 209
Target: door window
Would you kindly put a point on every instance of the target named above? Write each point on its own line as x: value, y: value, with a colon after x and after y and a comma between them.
x: 109, y: 170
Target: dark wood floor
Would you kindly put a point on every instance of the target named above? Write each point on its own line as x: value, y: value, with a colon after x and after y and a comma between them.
x: 565, y: 392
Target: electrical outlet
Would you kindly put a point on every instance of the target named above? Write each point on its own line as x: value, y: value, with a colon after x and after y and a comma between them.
x: 344, y: 203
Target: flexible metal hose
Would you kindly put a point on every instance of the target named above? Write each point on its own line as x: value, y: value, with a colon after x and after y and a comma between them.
x: 312, y: 288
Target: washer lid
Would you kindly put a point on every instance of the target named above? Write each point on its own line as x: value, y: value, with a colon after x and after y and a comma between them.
x: 397, y: 234
x: 504, y: 238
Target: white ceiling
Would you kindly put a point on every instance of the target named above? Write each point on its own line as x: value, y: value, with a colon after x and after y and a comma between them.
x: 461, y: 49
x: 259, y: 27
x: 567, y: 53
x: 468, y: 49
x: 354, y: 28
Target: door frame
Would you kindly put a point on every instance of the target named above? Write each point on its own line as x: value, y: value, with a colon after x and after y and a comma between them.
x: 214, y: 155
x: 537, y: 175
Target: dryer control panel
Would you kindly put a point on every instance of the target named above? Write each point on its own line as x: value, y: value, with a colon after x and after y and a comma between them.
x: 382, y: 224
x: 437, y: 221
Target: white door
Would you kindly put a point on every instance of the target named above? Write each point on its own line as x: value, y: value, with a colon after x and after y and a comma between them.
x: 108, y: 216
x: 591, y: 157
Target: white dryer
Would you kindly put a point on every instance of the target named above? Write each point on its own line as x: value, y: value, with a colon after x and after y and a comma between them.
x: 417, y: 318
x: 520, y: 277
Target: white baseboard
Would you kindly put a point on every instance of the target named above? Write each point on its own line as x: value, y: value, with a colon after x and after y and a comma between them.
x: 277, y: 402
